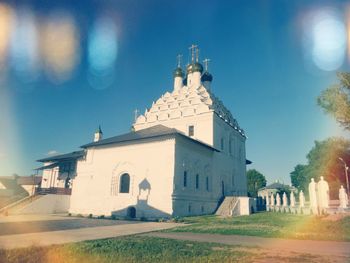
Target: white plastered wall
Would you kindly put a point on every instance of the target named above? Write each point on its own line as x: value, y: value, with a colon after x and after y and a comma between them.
x: 148, y: 162
x: 230, y: 164
x: 194, y: 159
x: 50, y: 178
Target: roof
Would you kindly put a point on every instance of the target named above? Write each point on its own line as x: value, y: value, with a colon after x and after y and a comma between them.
x: 275, y: 185
x: 50, y: 166
x: 63, y: 157
x: 10, y: 183
x: 151, y: 132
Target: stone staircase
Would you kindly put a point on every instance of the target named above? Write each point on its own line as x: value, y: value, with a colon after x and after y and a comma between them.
x: 229, y: 207
x: 39, y: 204
x: 16, y: 206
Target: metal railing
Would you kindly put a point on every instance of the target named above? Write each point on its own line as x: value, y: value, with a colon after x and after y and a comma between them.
x: 53, y: 190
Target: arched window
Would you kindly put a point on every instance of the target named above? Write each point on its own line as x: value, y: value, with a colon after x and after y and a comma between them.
x: 207, y: 183
x: 124, y: 183
x: 197, y: 181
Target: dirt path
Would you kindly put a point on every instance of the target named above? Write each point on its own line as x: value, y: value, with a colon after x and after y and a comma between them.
x: 270, y: 244
x: 80, y: 234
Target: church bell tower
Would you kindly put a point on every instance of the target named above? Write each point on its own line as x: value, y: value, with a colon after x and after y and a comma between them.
x: 98, y: 134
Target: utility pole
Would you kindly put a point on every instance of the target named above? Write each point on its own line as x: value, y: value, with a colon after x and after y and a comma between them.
x: 346, y: 174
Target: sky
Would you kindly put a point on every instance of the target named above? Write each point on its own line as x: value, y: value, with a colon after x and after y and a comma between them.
x: 67, y: 67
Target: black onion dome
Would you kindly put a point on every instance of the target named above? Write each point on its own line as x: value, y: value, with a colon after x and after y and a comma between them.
x: 178, y: 72
x: 206, y: 77
x: 194, y: 67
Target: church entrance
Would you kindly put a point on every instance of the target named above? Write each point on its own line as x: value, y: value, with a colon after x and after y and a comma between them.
x: 131, y: 212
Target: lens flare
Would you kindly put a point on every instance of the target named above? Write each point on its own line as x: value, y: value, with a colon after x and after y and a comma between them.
x: 348, y: 29
x: 60, y: 46
x: 325, y: 39
x: 10, y: 141
x: 6, y: 18
x: 24, y: 45
x: 102, y: 52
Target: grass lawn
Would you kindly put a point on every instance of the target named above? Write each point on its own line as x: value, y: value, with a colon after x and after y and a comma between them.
x: 148, y: 249
x: 271, y: 224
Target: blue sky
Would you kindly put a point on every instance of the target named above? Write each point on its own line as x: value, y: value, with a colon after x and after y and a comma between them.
x: 121, y: 55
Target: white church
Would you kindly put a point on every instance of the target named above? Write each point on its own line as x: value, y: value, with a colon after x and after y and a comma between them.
x: 183, y: 157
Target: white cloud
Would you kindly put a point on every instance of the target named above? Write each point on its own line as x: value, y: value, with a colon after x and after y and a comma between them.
x: 52, y: 152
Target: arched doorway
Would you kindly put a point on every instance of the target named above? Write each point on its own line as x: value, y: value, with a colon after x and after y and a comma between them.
x: 131, y: 212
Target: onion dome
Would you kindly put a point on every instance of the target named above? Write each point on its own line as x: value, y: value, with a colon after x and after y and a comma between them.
x: 178, y: 72
x: 194, y: 67
x: 99, y: 130
x: 206, y: 77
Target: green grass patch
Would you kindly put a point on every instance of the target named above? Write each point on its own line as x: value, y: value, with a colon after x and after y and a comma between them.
x: 271, y: 225
x: 127, y: 249
x: 150, y: 249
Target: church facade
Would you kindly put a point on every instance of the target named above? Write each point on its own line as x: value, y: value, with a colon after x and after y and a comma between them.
x: 182, y: 157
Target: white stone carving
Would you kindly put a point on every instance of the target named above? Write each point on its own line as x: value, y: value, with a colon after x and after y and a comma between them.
x: 152, y: 118
x: 343, y: 198
x: 313, y: 195
x: 267, y: 199
x: 141, y: 119
x: 160, y: 101
x: 203, y: 99
x: 323, y: 193
x: 164, y: 107
x: 278, y: 200
x: 272, y: 200
x: 285, y: 200
x: 188, y: 112
x: 163, y: 116
x: 292, y: 199
x: 301, y: 199
x: 175, y: 114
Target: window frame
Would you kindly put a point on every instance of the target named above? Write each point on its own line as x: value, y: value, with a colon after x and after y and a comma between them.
x: 121, y: 182
x: 191, y: 130
x: 185, y: 179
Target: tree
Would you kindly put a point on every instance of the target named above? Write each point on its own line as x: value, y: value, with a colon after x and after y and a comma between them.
x: 299, y: 177
x: 335, y: 100
x: 323, y: 160
x: 256, y: 180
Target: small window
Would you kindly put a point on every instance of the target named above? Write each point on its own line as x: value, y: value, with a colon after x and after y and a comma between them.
x: 197, y: 181
x: 222, y: 144
x: 191, y: 130
x: 189, y: 208
x: 202, y: 209
x: 185, y: 178
x: 124, y: 183
x: 207, y: 184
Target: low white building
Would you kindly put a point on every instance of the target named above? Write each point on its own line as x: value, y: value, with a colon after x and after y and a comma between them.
x: 59, y: 170
x: 182, y: 157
